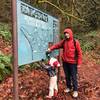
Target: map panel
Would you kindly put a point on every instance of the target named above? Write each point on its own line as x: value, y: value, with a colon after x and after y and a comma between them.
x: 35, y: 30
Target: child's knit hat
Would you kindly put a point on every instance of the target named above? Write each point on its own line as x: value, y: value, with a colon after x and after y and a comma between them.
x: 54, y: 62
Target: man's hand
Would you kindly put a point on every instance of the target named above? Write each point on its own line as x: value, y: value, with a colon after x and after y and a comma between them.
x: 48, y: 51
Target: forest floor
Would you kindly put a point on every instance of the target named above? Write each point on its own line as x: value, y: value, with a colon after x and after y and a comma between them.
x: 33, y: 83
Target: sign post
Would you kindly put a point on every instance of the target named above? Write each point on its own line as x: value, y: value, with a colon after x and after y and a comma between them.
x: 15, y: 51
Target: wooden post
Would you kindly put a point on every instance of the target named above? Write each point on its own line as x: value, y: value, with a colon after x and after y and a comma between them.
x: 15, y: 50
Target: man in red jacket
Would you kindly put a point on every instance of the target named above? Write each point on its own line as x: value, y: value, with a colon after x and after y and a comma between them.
x: 72, y: 58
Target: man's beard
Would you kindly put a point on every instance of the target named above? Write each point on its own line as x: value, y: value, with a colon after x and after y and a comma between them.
x: 66, y: 38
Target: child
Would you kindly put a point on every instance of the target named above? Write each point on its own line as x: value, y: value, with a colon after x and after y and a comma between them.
x: 53, y: 64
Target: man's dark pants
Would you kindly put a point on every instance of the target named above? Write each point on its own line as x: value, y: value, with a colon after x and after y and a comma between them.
x: 70, y: 71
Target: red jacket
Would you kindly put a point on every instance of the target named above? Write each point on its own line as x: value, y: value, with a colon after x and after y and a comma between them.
x: 69, y: 49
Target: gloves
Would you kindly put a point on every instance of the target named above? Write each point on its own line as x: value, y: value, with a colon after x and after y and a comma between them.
x: 48, y: 50
x: 48, y: 53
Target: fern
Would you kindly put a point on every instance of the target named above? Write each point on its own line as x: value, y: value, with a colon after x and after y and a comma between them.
x: 5, y: 66
x: 5, y: 32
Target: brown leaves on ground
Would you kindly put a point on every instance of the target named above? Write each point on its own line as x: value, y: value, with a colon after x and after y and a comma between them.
x: 5, y: 47
x: 33, y: 84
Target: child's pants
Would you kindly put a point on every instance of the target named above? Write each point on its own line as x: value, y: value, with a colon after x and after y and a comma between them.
x: 53, y: 85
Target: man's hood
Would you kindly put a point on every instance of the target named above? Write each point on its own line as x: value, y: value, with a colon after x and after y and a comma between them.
x: 69, y: 31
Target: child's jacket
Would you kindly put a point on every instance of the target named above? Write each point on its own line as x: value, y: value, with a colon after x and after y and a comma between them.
x: 51, y: 67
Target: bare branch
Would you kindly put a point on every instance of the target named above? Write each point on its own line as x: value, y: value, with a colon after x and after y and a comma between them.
x: 63, y: 12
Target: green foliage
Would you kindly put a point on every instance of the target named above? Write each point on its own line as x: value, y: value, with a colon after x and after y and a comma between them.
x: 92, y: 34
x: 87, y: 40
x: 21, y: 68
x: 61, y: 36
x: 4, y: 32
x: 5, y: 66
x: 34, y: 65
x: 87, y: 46
x: 31, y: 66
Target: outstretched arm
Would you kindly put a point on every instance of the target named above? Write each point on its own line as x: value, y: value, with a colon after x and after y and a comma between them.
x: 56, y: 46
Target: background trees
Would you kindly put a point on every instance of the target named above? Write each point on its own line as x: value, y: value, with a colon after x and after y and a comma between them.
x: 89, y: 10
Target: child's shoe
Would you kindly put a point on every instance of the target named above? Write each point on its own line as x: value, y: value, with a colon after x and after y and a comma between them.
x: 55, y: 93
x: 48, y: 97
x: 67, y: 90
x: 75, y: 94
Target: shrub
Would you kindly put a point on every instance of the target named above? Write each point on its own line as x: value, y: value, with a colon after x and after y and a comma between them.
x: 5, y: 32
x: 5, y: 66
x: 87, y: 46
